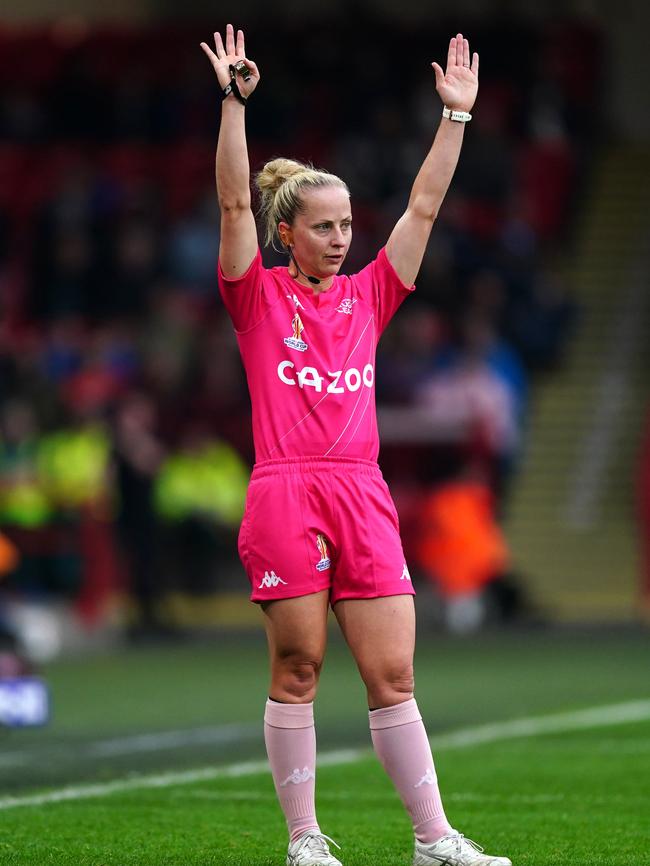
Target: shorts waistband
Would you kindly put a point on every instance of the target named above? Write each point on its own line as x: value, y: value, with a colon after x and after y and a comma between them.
x: 300, y: 465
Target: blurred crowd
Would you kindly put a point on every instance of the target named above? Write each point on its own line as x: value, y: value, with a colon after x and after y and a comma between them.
x: 125, y: 431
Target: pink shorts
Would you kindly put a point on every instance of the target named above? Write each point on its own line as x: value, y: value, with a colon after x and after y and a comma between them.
x: 314, y: 523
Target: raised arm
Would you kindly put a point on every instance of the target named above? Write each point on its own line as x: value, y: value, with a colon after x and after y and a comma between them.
x: 457, y: 87
x: 238, y: 234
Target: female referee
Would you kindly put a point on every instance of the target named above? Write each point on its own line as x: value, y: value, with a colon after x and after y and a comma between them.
x: 320, y: 527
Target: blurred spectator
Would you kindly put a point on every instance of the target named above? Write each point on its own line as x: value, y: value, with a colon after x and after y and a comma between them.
x: 63, y: 350
x: 219, y: 399
x: 23, y: 501
x: 485, y: 172
x: 48, y: 564
x: 461, y: 548
x: 138, y: 453
x: 405, y: 357
x: 541, y: 322
x: 478, y: 393
x: 200, y: 493
x: 68, y: 281
x: 194, y: 245
x: 136, y: 264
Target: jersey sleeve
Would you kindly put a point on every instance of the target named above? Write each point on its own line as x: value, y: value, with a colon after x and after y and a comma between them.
x: 379, y: 286
x: 249, y: 297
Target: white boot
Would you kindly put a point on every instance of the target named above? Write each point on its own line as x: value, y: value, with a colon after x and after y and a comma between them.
x: 311, y: 849
x: 454, y: 850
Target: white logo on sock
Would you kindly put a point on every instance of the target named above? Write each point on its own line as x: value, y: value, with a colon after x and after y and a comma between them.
x: 298, y: 776
x: 429, y: 778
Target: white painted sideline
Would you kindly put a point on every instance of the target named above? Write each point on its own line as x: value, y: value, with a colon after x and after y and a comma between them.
x: 593, y: 717
x: 157, y: 741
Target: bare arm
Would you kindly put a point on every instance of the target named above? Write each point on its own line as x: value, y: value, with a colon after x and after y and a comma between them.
x: 238, y: 233
x: 457, y: 88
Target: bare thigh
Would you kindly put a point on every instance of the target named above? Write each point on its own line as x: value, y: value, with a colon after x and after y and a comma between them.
x: 381, y: 635
x: 296, y: 630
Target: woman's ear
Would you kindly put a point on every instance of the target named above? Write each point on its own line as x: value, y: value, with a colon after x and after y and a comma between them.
x: 285, y: 234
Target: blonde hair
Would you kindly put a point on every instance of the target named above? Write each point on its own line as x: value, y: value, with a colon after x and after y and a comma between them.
x: 281, y: 184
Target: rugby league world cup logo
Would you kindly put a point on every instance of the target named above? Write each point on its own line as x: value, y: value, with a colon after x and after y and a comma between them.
x: 294, y: 341
x: 321, y: 544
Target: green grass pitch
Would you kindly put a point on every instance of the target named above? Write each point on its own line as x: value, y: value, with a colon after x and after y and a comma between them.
x: 570, y: 797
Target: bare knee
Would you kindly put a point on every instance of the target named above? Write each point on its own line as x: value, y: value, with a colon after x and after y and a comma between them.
x: 389, y: 685
x: 294, y: 677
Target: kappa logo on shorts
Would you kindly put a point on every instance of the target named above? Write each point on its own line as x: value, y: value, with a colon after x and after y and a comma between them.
x: 294, y: 341
x: 271, y: 579
x: 325, y: 561
x: 405, y: 573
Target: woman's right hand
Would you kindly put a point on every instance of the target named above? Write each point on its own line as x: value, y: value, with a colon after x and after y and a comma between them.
x: 233, y: 53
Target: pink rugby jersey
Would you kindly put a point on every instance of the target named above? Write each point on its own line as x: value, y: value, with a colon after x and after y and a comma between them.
x: 310, y: 359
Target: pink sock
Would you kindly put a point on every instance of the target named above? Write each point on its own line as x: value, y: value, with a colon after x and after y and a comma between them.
x: 401, y: 744
x: 291, y: 746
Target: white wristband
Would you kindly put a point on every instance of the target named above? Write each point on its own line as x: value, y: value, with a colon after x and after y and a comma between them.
x: 460, y: 116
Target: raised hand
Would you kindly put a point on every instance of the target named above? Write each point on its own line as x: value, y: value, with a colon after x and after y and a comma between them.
x: 222, y: 58
x: 458, y: 84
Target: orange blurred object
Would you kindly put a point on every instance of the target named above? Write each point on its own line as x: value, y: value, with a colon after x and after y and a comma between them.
x: 461, y: 546
x: 9, y: 556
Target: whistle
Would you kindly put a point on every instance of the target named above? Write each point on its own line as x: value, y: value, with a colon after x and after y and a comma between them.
x: 243, y: 70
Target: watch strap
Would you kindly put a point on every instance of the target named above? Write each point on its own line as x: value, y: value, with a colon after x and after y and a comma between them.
x: 459, y: 116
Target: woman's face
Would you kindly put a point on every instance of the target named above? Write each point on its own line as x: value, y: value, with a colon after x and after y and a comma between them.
x: 320, y: 237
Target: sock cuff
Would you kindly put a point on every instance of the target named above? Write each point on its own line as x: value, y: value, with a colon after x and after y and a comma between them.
x: 392, y: 717
x: 278, y: 715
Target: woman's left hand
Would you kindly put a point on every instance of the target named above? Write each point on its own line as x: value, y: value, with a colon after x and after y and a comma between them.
x: 458, y: 85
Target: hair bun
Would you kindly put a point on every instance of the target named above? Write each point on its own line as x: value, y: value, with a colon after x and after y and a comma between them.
x: 277, y: 171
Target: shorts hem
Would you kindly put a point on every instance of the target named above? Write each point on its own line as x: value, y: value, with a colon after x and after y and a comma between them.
x: 359, y: 596
x: 256, y: 599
